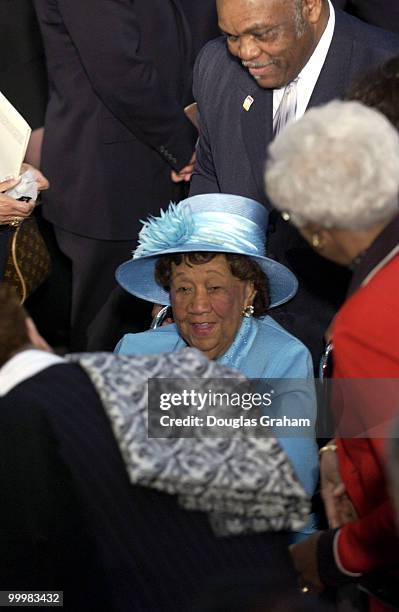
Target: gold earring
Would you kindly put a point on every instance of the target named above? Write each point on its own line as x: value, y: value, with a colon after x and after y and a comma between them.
x: 248, y: 311
x: 317, y: 241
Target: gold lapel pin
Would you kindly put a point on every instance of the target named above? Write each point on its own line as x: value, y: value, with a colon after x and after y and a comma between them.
x: 247, y: 103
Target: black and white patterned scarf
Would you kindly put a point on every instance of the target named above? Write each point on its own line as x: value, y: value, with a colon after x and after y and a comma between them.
x: 245, y: 484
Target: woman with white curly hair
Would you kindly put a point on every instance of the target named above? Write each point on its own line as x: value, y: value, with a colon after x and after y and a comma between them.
x: 335, y: 175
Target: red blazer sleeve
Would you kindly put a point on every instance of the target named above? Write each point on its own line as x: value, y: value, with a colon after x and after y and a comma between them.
x: 369, y: 543
x: 365, y: 338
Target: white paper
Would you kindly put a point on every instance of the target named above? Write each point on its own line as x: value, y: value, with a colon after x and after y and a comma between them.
x: 26, y: 187
x: 14, y: 137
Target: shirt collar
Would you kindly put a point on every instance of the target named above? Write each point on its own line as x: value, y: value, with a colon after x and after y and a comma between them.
x: 384, y: 248
x: 24, y: 365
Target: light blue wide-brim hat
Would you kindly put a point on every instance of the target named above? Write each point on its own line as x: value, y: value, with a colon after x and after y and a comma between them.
x: 214, y: 222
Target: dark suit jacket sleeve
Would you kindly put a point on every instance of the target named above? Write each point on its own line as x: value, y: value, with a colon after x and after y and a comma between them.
x: 41, y: 524
x: 204, y: 179
x: 106, y: 34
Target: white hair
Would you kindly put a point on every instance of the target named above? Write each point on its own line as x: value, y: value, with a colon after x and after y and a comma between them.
x: 299, y: 20
x: 338, y: 166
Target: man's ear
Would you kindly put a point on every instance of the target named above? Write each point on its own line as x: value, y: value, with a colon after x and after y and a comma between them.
x: 35, y: 338
x: 313, y: 10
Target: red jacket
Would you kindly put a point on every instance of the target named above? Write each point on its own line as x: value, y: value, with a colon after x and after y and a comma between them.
x: 366, y: 345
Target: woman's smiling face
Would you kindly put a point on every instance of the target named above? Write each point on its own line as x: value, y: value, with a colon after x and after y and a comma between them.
x: 207, y: 301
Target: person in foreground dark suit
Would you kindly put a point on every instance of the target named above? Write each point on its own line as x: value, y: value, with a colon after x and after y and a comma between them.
x: 72, y: 520
x: 239, y: 81
x: 119, y: 77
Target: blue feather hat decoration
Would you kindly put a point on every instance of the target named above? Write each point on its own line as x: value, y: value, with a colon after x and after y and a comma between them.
x: 172, y: 228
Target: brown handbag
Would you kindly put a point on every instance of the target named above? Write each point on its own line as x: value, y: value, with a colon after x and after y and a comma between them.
x: 28, y: 263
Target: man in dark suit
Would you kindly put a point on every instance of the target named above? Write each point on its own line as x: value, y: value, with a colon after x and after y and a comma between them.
x: 239, y: 81
x: 119, y: 77
x: 119, y: 314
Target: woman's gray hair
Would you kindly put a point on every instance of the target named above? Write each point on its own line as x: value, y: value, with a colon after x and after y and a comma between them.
x: 338, y: 166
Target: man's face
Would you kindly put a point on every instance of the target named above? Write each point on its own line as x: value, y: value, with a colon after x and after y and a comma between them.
x: 273, y: 38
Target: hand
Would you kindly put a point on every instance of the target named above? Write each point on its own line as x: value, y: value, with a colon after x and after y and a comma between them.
x: 192, y: 113
x: 11, y: 209
x: 304, y: 557
x: 9, y: 183
x: 346, y: 511
x: 185, y: 173
x: 42, y: 182
x: 339, y: 508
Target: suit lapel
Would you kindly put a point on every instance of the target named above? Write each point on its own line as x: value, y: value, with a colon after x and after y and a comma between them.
x: 334, y: 78
x: 257, y: 126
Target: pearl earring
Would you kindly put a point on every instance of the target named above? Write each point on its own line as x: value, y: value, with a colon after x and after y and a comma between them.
x: 248, y: 311
x: 317, y: 241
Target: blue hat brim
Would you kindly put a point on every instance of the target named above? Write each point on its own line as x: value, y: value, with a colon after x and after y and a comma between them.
x: 137, y: 276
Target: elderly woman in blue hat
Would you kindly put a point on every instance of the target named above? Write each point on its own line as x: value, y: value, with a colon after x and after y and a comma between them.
x: 205, y: 258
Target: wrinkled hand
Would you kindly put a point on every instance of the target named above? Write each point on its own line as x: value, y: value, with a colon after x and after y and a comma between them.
x: 191, y: 112
x: 42, y: 182
x: 304, y: 557
x: 338, y: 507
x: 11, y: 209
x: 15, y: 210
x: 345, y: 509
x: 185, y: 173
